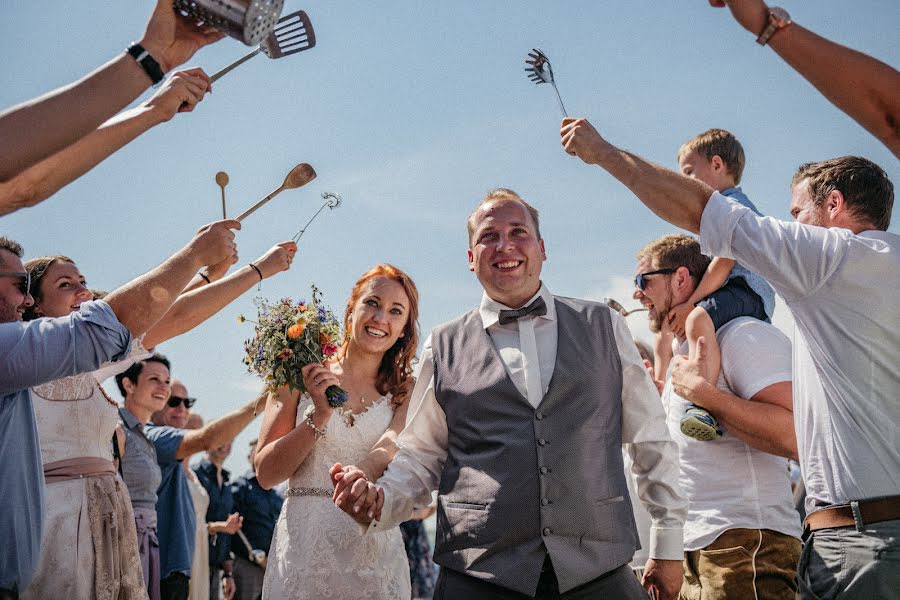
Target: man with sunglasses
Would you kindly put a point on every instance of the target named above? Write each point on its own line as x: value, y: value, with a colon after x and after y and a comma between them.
x: 837, y: 270
x: 153, y: 415
x: 741, y: 533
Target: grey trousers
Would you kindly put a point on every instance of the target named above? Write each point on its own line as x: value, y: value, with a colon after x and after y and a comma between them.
x: 844, y: 563
x: 618, y: 584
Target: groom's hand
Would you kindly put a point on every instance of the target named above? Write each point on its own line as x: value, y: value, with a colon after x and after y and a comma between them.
x: 665, y: 576
x: 355, y: 495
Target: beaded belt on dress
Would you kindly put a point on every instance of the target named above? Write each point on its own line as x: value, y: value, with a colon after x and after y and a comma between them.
x: 309, y: 491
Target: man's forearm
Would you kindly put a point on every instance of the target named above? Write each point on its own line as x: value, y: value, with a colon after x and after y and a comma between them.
x: 44, y: 179
x: 141, y: 302
x: 865, y: 88
x: 673, y: 197
x: 225, y: 429
x: 764, y: 426
x: 53, y: 122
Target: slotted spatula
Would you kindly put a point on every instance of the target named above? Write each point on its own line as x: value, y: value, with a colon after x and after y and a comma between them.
x: 292, y: 33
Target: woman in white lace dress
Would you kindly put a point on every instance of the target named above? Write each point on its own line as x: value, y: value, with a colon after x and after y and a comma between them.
x: 317, y: 550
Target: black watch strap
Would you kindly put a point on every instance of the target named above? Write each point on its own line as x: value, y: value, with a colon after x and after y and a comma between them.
x: 147, y: 62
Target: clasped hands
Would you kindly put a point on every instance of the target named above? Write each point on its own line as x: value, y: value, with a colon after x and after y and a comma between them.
x: 355, y: 494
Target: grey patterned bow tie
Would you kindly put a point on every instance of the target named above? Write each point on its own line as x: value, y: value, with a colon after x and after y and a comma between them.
x: 537, y: 308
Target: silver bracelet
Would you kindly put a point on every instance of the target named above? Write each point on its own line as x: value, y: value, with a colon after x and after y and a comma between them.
x: 310, y: 411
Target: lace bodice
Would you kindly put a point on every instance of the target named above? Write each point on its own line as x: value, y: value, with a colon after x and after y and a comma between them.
x: 74, y: 415
x: 318, y: 552
x: 343, y: 443
x: 74, y: 418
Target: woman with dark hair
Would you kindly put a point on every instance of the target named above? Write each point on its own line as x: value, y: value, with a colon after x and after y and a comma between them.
x: 87, y: 504
x: 317, y: 551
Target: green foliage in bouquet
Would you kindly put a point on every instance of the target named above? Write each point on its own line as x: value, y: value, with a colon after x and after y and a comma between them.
x: 290, y: 336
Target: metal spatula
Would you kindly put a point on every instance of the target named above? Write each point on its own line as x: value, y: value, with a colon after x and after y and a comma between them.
x: 292, y: 33
x: 541, y: 72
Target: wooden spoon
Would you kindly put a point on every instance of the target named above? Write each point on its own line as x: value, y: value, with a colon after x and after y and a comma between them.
x: 299, y: 176
x: 222, y: 180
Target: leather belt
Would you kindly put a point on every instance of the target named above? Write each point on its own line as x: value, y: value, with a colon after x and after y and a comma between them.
x: 854, y: 514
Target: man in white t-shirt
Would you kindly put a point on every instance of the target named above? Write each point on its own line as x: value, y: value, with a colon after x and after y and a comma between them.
x: 741, y: 537
x: 837, y: 268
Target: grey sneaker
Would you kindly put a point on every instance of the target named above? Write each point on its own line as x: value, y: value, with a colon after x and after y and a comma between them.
x: 697, y: 423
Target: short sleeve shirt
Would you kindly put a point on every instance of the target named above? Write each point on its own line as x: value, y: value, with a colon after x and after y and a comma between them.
x: 175, y: 517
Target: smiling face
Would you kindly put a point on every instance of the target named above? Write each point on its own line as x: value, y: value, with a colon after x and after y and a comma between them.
x: 62, y: 290
x: 379, y: 315
x: 657, y: 295
x: 150, y: 392
x: 13, y: 299
x: 506, y: 254
x: 175, y: 416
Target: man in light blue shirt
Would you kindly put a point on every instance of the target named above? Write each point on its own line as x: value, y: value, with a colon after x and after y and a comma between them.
x: 32, y: 353
x: 43, y: 350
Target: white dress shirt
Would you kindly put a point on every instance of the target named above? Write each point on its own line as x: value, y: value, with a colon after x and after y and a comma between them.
x: 528, y: 350
x: 842, y: 289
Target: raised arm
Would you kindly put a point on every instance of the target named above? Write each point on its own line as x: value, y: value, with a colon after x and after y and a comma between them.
x: 283, y: 444
x: 865, y: 88
x: 39, y: 128
x: 196, y: 306
x: 180, y: 94
x: 677, y: 199
x: 218, y: 432
x: 141, y: 302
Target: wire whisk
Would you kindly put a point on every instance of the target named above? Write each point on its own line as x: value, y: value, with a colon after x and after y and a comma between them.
x: 332, y: 201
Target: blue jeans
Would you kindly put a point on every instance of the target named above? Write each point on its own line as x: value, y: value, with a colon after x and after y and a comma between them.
x: 841, y: 562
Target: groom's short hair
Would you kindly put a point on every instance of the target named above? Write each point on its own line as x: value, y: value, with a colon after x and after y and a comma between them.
x: 499, y: 195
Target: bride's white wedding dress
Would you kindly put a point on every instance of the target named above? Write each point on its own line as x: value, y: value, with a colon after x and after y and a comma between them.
x: 318, y: 551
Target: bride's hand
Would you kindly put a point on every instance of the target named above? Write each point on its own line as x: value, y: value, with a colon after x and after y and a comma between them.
x: 317, y: 378
x: 350, y: 487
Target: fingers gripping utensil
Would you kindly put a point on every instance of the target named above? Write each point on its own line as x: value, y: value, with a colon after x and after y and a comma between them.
x: 246, y: 20
x: 293, y: 33
x: 299, y: 176
x: 621, y: 309
x: 332, y: 201
x: 222, y: 181
x: 541, y: 72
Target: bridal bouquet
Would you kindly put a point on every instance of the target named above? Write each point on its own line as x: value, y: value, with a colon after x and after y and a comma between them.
x: 290, y: 336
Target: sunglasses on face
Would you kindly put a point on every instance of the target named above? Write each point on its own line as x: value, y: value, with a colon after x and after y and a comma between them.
x: 176, y: 400
x: 24, y: 279
x: 640, y: 280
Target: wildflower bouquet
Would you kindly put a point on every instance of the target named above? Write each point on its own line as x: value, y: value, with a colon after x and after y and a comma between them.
x: 290, y: 336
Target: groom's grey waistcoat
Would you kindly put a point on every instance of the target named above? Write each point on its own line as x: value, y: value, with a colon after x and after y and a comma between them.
x: 520, y: 482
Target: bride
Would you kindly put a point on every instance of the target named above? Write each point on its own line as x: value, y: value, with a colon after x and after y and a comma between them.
x: 318, y: 551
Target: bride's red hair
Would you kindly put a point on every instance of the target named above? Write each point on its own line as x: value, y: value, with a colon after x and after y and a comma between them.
x: 395, y: 371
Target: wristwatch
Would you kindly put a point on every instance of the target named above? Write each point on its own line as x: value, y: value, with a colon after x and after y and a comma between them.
x: 778, y: 20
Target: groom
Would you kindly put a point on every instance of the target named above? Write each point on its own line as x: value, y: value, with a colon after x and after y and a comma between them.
x: 518, y: 419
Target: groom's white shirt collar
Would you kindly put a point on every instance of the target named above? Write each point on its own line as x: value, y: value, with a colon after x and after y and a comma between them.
x: 490, y: 309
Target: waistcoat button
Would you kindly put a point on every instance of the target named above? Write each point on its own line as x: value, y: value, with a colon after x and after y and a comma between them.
x: 544, y: 502
x: 542, y: 442
x: 544, y: 470
x: 547, y: 531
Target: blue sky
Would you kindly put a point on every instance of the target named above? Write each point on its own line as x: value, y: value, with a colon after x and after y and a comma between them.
x: 412, y: 111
